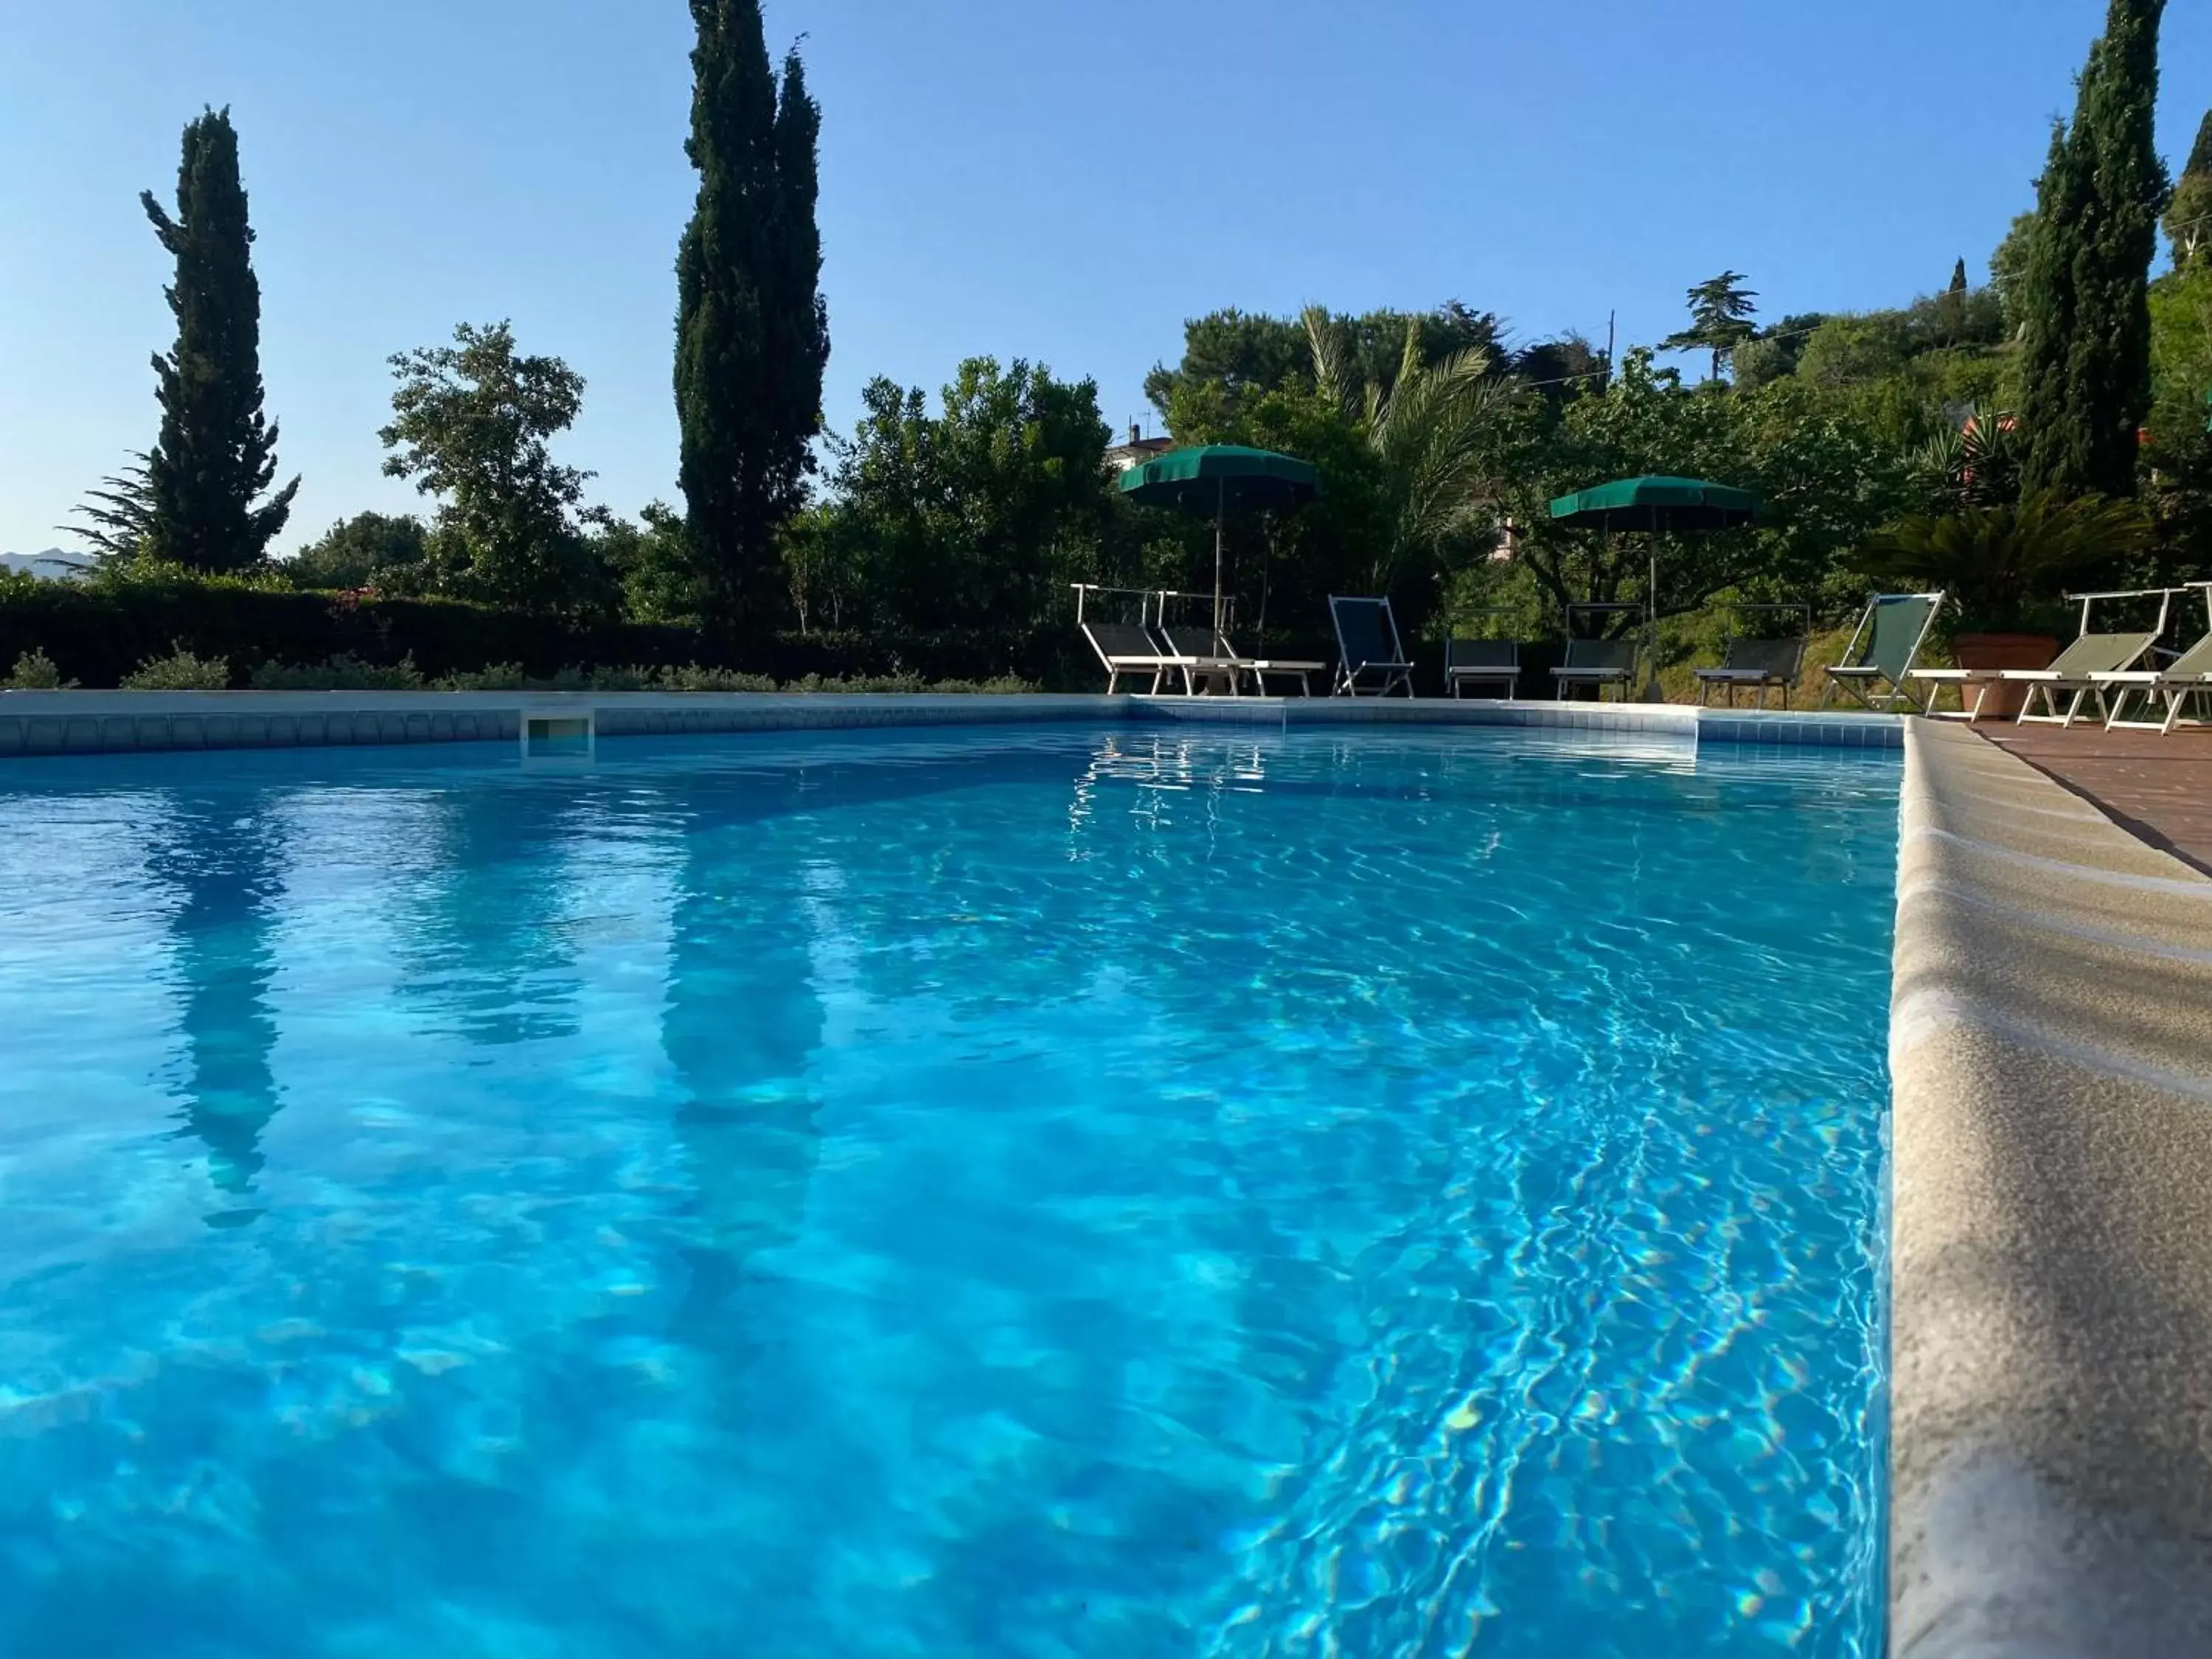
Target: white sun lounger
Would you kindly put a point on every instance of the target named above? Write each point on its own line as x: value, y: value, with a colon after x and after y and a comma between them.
x: 2189, y: 675
x: 2075, y: 672
x: 1209, y: 649
x: 1126, y: 648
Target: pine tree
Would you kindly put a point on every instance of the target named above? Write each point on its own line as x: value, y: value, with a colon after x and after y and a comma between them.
x: 1721, y: 310
x: 752, y: 331
x: 2189, y: 221
x: 2086, y: 337
x: 216, y: 453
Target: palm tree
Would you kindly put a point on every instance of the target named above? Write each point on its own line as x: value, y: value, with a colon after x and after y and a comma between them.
x: 1430, y: 431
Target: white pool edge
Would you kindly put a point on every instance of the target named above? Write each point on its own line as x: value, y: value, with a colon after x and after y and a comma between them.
x: 48, y: 723
x: 2051, y: 1392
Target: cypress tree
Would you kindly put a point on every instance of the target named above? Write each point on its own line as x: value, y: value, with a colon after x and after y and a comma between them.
x: 217, y: 453
x: 751, y: 329
x: 1958, y: 277
x: 2189, y: 221
x: 2086, y: 335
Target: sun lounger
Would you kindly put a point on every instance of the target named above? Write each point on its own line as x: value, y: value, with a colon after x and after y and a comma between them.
x: 2075, y: 672
x: 2189, y: 675
x: 1883, y: 650
x: 1370, y: 656
x: 1597, y: 664
x: 1126, y: 648
x: 1759, y: 665
x: 1198, y: 655
x: 1754, y: 665
x: 1494, y: 663
x: 1209, y: 653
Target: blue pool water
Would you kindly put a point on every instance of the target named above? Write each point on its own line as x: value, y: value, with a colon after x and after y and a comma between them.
x: 1052, y: 1191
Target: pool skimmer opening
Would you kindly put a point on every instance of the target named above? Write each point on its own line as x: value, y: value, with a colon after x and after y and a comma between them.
x: 566, y: 734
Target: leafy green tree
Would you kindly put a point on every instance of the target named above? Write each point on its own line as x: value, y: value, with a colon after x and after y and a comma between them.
x: 2086, y: 344
x: 1824, y: 483
x: 1775, y: 351
x: 1232, y: 358
x: 753, y: 329
x: 472, y: 424
x: 2009, y: 272
x: 119, y: 516
x: 2189, y: 218
x: 369, y: 549
x: 1721, y: 310
x: 1570, y: 366
x: 2180, y: 480
x: 1852, y: 350
x: 649, y: 562
x: 1956, y: 319
x: 1239, y: 354
x: 217, y: 453
x: 825, y: 565
x: 976, y: 517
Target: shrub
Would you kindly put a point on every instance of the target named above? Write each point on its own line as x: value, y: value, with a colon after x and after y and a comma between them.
x: 859, y: 683
x: 344, y: 672
x: 35, y: 671
x: 692, y: 677
x: 499, y: 676
x: 98, y: 630
x: 1003, y: 685
x: 180, y: 671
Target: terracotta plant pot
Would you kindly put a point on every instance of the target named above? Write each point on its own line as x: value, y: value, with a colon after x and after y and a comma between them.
x: 2002, y: 651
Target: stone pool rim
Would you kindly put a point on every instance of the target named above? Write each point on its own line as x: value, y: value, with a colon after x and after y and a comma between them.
x: 36, y: 724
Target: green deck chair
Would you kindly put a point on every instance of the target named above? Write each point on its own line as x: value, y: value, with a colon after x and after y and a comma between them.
x: 1755, y: 666
x: 1883, y: 650
x: 1598, y: 663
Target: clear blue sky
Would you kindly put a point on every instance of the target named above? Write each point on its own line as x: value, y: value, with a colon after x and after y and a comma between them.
x: 1011, y: 176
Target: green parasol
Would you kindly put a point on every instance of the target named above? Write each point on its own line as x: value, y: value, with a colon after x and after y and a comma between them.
x: 1214, y: 478
x: 1656, y: 504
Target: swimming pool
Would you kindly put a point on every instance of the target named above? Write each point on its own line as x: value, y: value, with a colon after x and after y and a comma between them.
x: 1026, y: 1191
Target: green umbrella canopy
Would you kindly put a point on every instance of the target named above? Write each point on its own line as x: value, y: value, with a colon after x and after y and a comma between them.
x: 1218, y: 476
x: 1657, y: 504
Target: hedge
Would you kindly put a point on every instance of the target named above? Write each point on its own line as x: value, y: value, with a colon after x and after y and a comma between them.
x: 98, y: 632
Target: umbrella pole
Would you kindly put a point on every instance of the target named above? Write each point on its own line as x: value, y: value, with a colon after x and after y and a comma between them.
x: 1220, y: 518
x: 1651, y: 691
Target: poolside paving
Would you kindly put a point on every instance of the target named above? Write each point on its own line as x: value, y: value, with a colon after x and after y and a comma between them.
x: 2158, y: 787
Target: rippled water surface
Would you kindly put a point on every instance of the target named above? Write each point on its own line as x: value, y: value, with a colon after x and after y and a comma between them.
x: 1045, y: 1192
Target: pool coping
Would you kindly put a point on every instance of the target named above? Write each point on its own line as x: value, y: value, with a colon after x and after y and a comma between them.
x: 48, y: 723
x: 2050, y: 1054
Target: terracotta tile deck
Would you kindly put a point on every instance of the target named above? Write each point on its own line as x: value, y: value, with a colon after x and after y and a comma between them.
x: 2159, y: 788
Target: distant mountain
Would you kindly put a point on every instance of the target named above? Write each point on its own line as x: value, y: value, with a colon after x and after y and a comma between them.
x: 54, y: 565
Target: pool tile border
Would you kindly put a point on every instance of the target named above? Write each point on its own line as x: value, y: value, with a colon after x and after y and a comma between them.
x: 48, y: 723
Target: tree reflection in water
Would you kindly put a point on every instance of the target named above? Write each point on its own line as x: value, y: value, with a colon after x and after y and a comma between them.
x: 224, y: 860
